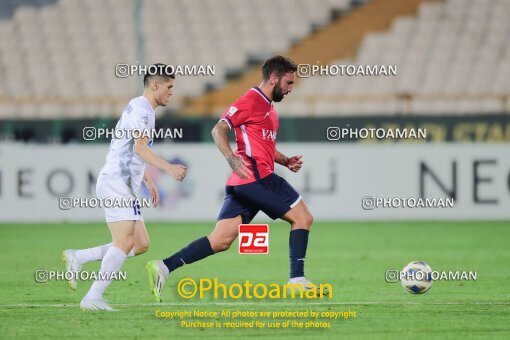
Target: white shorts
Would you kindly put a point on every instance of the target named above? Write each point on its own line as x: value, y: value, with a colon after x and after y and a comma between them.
x: 114, y: 188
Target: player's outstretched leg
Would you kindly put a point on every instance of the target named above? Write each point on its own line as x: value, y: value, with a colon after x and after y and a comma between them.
x: 75, y: 259
x: 301, y: 221
x: 123, y: 241
x: 219, y: 240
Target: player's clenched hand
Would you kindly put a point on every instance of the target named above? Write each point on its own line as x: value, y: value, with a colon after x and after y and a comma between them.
x: 239, y: 166
x: 294, y: 163
x: 177, y: 171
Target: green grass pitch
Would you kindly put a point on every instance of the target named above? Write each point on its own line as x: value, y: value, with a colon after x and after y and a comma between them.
x: 352, y: 256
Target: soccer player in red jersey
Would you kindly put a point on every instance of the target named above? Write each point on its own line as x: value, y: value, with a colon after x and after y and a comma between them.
x: 253, y: 185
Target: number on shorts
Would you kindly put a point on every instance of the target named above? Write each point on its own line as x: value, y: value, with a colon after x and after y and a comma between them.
x: 136, y: 209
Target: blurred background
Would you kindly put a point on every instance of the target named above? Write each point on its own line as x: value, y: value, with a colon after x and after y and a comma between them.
x: 57, y: 71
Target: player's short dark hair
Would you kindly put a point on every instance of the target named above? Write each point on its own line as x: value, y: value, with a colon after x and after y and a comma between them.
x: 158, y: 70
x: 278, y: 65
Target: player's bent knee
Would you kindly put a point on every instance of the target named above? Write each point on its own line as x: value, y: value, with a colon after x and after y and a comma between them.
x: 303, y: 222
x: 308, y: 220
x: 142, y: 247
x: 146, y: 245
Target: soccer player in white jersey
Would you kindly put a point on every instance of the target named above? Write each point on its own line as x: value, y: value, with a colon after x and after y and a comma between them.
x: 121, y: 177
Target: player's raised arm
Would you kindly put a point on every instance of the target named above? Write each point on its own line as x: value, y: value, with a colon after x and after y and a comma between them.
x: 142, y: 149
x: 238, y: 165
x: 294, y: 163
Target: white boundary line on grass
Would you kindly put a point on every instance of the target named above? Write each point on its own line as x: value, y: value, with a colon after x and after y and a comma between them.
x: 255, y: 304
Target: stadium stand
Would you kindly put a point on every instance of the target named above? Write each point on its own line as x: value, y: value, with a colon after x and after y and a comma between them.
x: 451, y: 57
x: 58, y: 58
x: 454, y: 57
x: 347, y: 33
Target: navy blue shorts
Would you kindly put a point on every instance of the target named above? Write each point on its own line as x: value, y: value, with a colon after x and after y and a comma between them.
x: 272, y: 194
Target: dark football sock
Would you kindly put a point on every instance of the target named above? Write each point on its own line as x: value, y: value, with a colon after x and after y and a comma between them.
x: 298, y: 241
x: 195, y: 251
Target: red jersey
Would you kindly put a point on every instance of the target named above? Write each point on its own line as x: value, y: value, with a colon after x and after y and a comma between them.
x: 255, y: 122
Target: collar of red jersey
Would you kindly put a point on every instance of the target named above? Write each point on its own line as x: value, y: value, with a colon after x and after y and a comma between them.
x: 259, y: 91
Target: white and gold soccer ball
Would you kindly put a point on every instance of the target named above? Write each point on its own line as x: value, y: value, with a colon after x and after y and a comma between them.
x: 416, y: 277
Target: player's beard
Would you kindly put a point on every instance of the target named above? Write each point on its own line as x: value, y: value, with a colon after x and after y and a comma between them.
x: 278, y: 92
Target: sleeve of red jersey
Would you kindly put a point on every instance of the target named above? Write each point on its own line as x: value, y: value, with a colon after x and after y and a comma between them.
x: 237, y: 114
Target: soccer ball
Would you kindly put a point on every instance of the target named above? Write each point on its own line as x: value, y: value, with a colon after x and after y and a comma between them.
x: 416, y: 277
